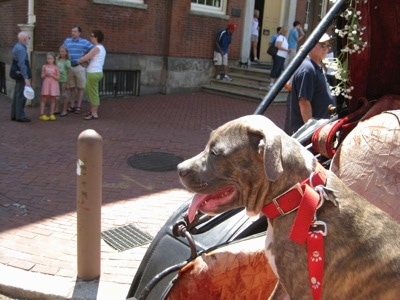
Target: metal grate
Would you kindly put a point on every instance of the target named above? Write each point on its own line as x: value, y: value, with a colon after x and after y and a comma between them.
x: 3, y: 89
x: 126, y: 237
x: 120, y: 83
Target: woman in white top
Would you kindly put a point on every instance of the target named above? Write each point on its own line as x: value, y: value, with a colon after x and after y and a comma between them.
x: 254, y: 34
x: 278, y: 61
x: 94, y: 72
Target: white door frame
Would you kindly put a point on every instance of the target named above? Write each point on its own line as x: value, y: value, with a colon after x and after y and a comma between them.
x: 287, y: 17
x: 246, y: 34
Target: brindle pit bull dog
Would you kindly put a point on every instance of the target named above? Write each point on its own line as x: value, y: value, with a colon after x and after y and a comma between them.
x: 248, y: 162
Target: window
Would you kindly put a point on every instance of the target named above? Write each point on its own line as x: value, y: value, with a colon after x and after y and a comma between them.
x: 129, y: 3
x: 210, y: 6
x: 323, y: 6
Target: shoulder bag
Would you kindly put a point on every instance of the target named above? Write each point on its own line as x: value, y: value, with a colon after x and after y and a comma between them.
x: 15, y: 73
x: 272, y: 50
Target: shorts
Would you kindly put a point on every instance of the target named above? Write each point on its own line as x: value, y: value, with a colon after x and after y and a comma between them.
x: 78, y: 77
x: 92, y: 87
x: 254, y: 38
x: 219, y: 59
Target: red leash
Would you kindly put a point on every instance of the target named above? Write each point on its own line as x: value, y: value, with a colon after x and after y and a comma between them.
x: 306, y: 199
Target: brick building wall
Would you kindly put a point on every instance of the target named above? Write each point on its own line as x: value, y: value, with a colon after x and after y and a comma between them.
x: 11, y: 14
x: 170, y: 44
x: 126, y: 29
x: 164, y: 28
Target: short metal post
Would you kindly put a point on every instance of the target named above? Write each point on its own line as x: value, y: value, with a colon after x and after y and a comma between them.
x: 89, y: 199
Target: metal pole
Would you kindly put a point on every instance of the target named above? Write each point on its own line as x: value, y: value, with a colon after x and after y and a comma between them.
x: 89, y: 199
x: 301, y: 55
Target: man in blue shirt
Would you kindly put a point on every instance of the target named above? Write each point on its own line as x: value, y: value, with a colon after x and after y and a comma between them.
x: 224, y: 38
x: 310, y: 95
x: 296, y: 34
x: 77, y: 47
x: 20, y: 56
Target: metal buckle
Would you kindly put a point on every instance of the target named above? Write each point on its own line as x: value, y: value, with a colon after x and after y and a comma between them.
x: 322, y: 224
x: 297, y: 186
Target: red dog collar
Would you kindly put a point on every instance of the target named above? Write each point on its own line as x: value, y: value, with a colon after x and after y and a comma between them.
x: 290, y: 200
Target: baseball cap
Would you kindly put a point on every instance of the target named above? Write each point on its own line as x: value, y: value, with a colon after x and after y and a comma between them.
x: 324, y: 38
x: 29, y: 93
x: 231, y: 26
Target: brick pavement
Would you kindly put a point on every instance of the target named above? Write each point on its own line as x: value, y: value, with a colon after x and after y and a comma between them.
x: 38, y: 186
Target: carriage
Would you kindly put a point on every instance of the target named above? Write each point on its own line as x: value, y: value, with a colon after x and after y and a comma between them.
x: 204, y: 256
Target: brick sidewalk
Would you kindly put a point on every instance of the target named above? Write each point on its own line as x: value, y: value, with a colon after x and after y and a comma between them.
x: 38, y: 184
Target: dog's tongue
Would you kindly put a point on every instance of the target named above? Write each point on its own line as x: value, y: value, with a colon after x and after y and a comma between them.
x: 194, y: 206
x: 209, y: 203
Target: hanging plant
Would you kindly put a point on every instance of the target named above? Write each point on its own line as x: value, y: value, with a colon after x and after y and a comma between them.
x: 352, y: 34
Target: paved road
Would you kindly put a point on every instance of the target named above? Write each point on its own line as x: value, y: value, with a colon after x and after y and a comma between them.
x: 38, y: 186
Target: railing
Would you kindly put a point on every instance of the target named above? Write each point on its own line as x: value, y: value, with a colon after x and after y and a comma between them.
x: 120, y: 83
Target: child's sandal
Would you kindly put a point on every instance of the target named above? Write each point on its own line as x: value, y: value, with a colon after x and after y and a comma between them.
x: 77, y: 110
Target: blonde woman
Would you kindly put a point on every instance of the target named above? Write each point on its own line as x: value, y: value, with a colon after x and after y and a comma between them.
x: 255, y: 28
x: 279, y: 59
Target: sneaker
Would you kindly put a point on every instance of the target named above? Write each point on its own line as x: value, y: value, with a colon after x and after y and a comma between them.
x: 218, y: 77
x: 44, y: 118
x: 256, y: 60
x: 227, y: 78
x: 52, y: 118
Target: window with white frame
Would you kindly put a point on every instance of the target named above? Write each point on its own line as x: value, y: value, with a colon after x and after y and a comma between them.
x: 129, y: 3
x: 211, y: 6
x: 323, y: 6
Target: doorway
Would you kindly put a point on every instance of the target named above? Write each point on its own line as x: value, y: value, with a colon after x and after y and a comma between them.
x: 259, y: 5
x: 270, y: 20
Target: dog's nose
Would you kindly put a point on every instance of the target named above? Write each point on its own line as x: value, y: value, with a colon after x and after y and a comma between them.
x: 182, y: 172
x: 182, y: 169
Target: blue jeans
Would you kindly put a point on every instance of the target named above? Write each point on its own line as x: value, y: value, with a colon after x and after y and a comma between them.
x: 19, y: 101
x: 277, y: 66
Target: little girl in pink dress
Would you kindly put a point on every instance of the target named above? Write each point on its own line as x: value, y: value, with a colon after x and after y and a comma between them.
x: 50, y: 86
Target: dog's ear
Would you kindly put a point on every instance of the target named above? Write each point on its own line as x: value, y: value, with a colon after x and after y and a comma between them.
x: 270, y: 146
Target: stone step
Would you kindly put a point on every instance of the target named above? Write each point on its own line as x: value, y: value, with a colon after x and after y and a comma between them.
x: 252, y: 72
x: 229, y: 89
x: 248, y: 82
x: 249, y: 86
x: 261, y: 79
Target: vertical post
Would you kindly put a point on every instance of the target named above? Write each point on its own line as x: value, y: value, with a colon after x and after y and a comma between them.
x: 247, y: 19
x: 89, y: 199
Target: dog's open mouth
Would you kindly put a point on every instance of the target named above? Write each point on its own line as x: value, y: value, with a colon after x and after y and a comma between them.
x: 210, y: 203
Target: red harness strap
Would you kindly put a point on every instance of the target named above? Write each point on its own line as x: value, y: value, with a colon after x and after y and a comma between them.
x: 316, y: 258
x: 305, y: 228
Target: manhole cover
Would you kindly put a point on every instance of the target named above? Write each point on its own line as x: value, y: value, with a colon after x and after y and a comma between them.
x: 126, y: 237
x: 155, y: 161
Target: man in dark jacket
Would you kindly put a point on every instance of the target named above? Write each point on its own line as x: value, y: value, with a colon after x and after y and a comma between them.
x: 20, y: 55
